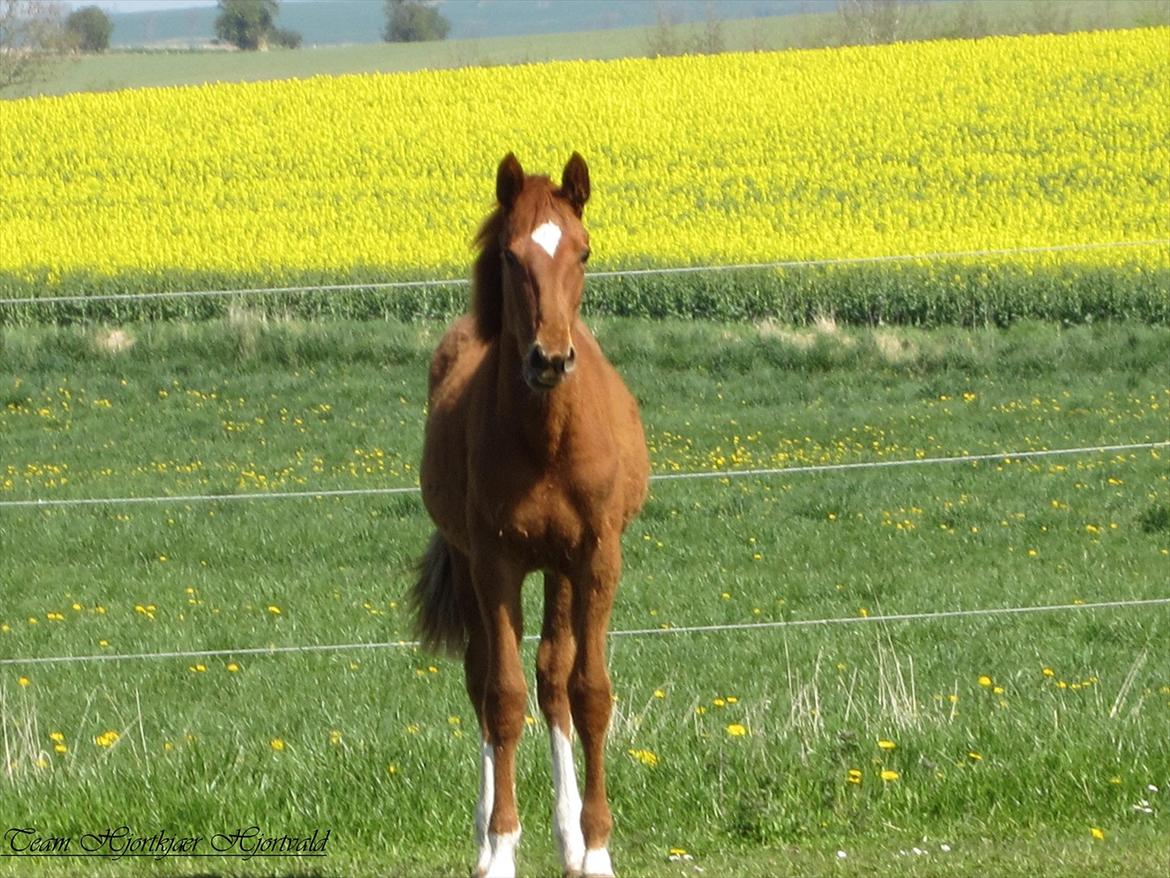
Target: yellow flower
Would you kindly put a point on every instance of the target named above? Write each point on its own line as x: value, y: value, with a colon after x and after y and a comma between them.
x: 985, y: 680
x: 646, y: 757
x: 736, y: 730
x: 24, y: 681
x: 232, y: 667
x: 886, y: 745
x: 1097, y: 833
x: 277, y: 744
x: 854, y: 776
x: 107, y: 739
x: 658, y: 693
x: 889, y: 774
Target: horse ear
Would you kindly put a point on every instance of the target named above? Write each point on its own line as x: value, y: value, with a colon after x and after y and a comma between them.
x: 575, y: 182
x: 509, y: 181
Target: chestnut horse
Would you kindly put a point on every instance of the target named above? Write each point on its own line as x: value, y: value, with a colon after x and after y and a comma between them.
x: 534, y: 460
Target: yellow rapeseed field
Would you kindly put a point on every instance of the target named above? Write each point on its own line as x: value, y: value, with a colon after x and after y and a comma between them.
x: 950, y: 145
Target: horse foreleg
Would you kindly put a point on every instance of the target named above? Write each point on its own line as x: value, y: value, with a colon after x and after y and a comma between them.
x: 554, y: 662
x: 590, y: 695
x: 497, y: 586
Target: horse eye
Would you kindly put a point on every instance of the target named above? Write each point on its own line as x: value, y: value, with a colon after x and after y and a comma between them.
x: 585, y: 255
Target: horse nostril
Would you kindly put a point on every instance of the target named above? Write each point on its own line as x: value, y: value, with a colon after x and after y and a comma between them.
x: 537, y: 360
x: 570, y: 360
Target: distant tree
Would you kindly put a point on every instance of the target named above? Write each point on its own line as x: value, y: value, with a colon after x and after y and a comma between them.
x: 285, y: 38
x: 30, y: 35
x: 662, y: 40
x: 250, y: 25
x: 709, y: 41
x: 89, y: 29
x: 970, y: 21
x: 414, y: 21
x: 873, y: 22
x: 1049, y: 17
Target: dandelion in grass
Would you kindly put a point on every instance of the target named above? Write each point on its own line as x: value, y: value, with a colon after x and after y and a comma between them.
x: 107, y: 739
x: 985, y: 681
x: 647, y: 757
x: 887, y: 745
x: 277, y: 744
x: 1097, y: 833
x: 334, y: 737
x: 658, y: 693
x: 232, y: 668
x: 888, y: 775
x: 391, y: 768
x: 853, y: 776
x: 274, y: 610
x: 677, y: 854
x: 974, y: 756
x: 736, y: 730
x: 24, y: 681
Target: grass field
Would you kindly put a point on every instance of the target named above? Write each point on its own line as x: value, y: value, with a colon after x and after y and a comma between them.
x: 1008, y: 739
x: 120, y: 70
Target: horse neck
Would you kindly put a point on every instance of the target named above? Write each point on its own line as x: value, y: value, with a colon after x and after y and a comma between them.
x: 544, y: 418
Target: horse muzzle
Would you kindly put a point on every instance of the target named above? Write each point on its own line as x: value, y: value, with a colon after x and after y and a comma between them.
x: 544, y: 370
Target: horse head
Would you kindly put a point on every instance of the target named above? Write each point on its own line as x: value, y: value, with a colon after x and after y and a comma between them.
x: 543, y: 248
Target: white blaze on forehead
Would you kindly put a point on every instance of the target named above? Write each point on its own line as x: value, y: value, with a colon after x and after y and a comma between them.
x: 548, y: 236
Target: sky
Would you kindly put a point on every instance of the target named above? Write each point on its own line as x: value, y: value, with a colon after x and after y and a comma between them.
x: 141, y: 5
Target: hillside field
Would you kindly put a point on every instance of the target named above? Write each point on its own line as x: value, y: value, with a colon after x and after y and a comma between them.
x: 928, y: 148
x: 836, y: 650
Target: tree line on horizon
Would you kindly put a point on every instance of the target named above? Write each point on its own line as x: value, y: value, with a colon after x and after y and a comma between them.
x: 33, y: 31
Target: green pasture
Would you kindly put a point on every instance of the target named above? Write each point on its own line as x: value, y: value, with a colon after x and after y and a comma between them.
x: 1131, y: 284
x: 1013, y: 737
x: 126, y: 69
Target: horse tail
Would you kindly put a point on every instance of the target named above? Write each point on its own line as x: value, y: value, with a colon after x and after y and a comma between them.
x: 439, y: 622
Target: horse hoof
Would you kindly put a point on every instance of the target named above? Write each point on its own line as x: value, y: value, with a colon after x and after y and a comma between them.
x: 597, y: 864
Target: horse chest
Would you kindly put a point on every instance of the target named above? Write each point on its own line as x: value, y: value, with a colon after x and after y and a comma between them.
x: 548, y: 517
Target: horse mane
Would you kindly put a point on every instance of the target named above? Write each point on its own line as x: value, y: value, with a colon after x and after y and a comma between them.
x: 487, y: 281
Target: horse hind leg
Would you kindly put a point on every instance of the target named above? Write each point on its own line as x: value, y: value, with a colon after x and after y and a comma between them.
x: 475, y: 672
x: 554, y: 663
